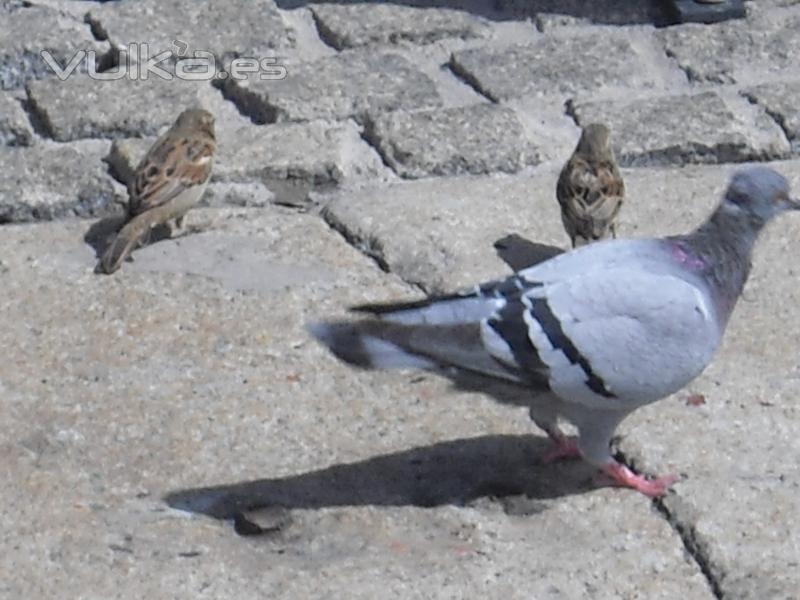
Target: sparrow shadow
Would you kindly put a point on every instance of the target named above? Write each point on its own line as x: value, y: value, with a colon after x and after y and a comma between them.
x: 456, y: 472
x: 102, y: 233
x: 519, y: 253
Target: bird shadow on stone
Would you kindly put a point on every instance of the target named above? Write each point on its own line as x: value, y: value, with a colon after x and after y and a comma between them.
x: 102, y: 233
x: 519, y: 253
x: 498, y: 468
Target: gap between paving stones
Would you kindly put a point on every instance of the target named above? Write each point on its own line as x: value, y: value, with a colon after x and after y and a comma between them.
x: 779, y: 119
x: 695, y: 547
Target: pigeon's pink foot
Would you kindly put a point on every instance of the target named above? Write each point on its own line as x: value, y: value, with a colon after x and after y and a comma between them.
x: 563, y: 447
x: 652, y: 488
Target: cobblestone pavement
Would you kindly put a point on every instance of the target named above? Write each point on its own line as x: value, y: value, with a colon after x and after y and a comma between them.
x: 411, y: 147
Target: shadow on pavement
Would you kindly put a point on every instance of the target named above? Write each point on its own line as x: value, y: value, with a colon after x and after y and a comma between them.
x: 519, y: 253
x: 454, y: 472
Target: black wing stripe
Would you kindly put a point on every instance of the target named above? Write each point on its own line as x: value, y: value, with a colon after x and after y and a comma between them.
x: 551, y: 326
x: 509, y: 324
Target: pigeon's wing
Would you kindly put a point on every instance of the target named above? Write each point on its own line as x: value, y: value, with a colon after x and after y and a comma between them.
x: 171, y: 166
x: 612, y: 337
x: 615, y: 322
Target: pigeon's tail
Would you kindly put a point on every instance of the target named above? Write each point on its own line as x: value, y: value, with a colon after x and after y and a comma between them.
x: 365, y: 344
x: 381, y: 344
x: 126, y: 241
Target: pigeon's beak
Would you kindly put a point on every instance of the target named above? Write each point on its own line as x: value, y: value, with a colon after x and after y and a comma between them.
x: 793, y: 204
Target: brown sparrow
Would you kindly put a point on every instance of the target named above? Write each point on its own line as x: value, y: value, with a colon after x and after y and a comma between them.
x: 169, y: 180
x: 590, y: 188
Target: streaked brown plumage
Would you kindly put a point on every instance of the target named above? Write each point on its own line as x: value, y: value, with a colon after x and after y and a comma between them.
x: 590, y: 189
x: 168, y: 181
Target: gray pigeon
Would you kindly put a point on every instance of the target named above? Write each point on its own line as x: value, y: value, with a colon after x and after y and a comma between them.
x: 595, y: 332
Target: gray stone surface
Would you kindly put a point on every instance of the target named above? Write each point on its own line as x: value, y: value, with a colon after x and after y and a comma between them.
x: 191, y: 367
x: 15, y: 128
x: 763, y: 46
x: 289, y: 158
x: 697, y: 128
x: 483, y: 138
x: 252, y: 28
x: 780, y: 101
x: 27, y: 32
x: 597, y: 62
x: 121, y: 108
x: 349, y: 25
x: 50, y: 180
x: 346, y: 85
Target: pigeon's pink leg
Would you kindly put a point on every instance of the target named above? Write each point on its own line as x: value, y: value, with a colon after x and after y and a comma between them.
x: 564, y: 446
x: 653, y: 488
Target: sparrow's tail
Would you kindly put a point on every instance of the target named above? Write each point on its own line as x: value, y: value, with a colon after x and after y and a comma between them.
x: 427, y: 335
x: 126, y: 241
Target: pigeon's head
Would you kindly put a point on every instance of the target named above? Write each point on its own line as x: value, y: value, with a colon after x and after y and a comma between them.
x: 594, y: 140
x: 759, y: 192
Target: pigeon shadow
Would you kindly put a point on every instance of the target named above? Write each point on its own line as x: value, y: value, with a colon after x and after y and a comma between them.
x: 454, y: 472
x: 520, y: 253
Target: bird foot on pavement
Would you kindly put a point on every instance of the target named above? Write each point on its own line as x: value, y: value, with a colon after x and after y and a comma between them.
x: 652, y: 488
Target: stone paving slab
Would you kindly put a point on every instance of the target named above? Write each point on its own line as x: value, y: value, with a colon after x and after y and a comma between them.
x: 30, y: 30
x: 147, y: 398
x: 121, y: 108
x: 288, y: 158
x: 50, y: 180
x: 599, y: 61
x: 15, y: 127
x: 483, y: 138
x: 338, y: 87
x: 704, y: 127
x: 252, y: 28
x: 350, y: 26
x: 745, y: 51
x: 780, y: 101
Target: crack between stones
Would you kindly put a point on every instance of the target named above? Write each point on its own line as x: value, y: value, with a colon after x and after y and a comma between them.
x: 779, y: 119
x: 324, y: 33
x: 36, y: 118
x: 370, y: 137
x: 369, y: 247
x: 468, y: 80
x: 693, y: 546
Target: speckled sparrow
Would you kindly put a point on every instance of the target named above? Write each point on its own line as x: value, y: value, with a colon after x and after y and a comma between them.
x: 169, y: 181
x: 590, y: 188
